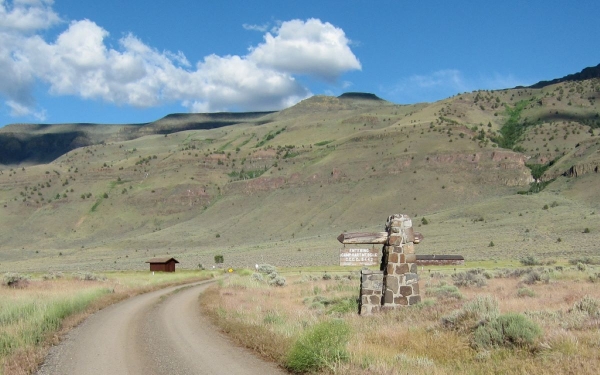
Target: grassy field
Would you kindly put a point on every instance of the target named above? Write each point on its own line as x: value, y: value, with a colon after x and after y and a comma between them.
x: 35, y: 311
x: 280, y: 188
x: 548, y: 318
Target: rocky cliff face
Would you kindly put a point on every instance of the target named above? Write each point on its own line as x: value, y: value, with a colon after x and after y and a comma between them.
x: 582, y: 169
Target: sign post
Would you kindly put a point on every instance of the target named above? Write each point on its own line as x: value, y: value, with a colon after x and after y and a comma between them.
x: 359, y: 257
x: 396, y: 284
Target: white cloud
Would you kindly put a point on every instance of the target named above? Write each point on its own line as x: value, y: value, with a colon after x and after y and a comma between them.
x: 27, y: 15
x: 312, y: 48
x: 449, y: 78
x: 80, y: 62
x: 18, y: 110
x: 262, y: 28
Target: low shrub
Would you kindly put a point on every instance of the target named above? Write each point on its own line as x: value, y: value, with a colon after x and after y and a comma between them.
x: 534, y: 276
x: 508, y: 330
x: 511, y: 273
x: 266, y: 268
x: 594, y: 277
x: 525, y: 292
x: 588, y: 305
x: 320, y: 347
x: 277, y: 281
x: 326, y: 276
x: 437, y: 275
x: 15, y: 280
x: 530, y: 261
x: 53, y: 276
x: 444, y: 291
x: 473, y: 277
x: 584, y: 260
x: 271, y: 273
x: 88, y: 276
x: 481, y: 309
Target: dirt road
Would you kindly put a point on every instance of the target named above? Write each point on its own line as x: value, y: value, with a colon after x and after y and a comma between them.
x: 156, y: 333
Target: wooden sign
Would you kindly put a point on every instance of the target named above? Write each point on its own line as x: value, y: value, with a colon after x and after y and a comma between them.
x: 371, y: 238
x: 363, y: 238
x: 359, y: 257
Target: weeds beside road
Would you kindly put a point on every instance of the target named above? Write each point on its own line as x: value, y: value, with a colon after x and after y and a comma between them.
x: 512, y: 321
x: 35, y: 312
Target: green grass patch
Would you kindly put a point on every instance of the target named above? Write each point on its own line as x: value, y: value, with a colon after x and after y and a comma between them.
x: 222, y: 148
x: 247, y: 175
x: 320, y: 347
x: 513, y: 128
x: 290, y: 154
x: 270, y: 135
x: 95, y: 206
x: 27, y: 321
x: 246, y: 141
x: 323, y: 143
x: 536, y: 187
x: 344, y: 305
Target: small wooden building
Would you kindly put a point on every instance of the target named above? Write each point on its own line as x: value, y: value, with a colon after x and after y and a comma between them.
x: 162, y: 264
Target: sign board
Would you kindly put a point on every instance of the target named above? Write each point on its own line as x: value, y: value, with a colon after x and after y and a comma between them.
x: 359, y: 257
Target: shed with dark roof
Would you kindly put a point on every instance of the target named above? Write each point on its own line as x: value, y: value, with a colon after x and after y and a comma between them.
x: 162, y: 264
x: 440, y: 260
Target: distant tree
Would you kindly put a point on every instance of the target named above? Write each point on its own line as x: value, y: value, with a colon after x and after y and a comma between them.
x: 105, y: 195
x: 424, y: 221
x: 219, y: 259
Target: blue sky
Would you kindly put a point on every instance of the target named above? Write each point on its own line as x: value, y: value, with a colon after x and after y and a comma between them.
x: 135, y: 61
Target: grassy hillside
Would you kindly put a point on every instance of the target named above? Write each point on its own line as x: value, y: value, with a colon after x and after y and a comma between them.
x: 279, y: 187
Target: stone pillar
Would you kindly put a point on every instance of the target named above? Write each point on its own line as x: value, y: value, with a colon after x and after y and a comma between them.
x: 371, y: 287
x: 401, y: 286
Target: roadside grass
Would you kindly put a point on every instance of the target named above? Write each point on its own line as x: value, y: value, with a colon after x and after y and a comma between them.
x: 554, y: 326
x: 37, y: 314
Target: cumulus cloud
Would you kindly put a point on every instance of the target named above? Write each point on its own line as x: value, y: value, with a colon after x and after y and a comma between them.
x: 27, y: 15
x: 82, y: 63
x: 307, y: 47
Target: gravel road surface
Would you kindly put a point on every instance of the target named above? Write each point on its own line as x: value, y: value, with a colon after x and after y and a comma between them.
x: 157, y: 333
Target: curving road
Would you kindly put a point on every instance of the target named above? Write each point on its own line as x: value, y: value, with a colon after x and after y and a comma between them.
x: 157, y: 333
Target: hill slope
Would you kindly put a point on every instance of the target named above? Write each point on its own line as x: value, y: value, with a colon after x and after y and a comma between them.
x: 30, y: 144
x: 280, y: 187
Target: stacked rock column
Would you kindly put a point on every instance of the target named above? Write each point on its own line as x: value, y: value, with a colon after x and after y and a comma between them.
x: 401, y: 286
x: 371, y: 287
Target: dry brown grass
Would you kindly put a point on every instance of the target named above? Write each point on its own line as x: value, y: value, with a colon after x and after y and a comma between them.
x: 26, y: 358
x: 412, y: 340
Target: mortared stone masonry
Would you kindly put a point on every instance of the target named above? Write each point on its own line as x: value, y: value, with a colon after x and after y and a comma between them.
x: 396, y: 284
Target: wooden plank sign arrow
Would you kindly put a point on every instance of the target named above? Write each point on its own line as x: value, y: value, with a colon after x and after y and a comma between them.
x: 363, y: 238
x: 379, y: 238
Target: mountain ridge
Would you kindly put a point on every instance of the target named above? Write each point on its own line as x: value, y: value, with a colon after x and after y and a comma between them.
x: 586, y: 73
x: 280, y: 187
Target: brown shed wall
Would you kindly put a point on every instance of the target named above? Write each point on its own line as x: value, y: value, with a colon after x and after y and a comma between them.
x: 163, y: 267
